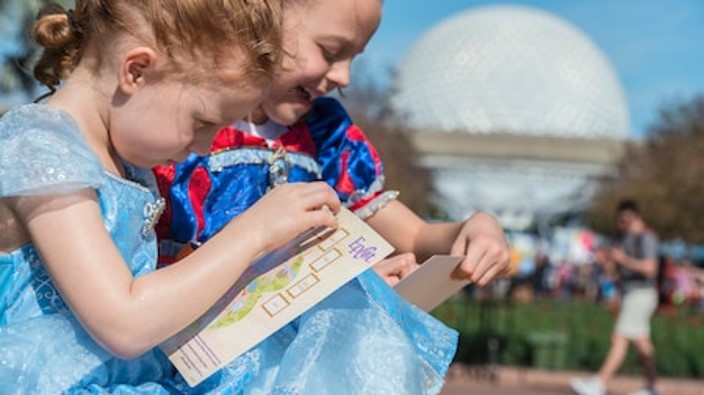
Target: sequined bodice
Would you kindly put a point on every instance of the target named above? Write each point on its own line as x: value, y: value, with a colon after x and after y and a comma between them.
x: 128, y: 210
x: 43, y: 152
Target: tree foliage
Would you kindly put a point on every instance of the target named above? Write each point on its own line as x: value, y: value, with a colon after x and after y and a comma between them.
x: 16, y: 63
x: 664, y: 174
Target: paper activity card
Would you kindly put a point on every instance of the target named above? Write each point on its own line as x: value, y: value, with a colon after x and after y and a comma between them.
x: 273, y: 291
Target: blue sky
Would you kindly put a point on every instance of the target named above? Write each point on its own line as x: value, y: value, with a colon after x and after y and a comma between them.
x: 655, y: 46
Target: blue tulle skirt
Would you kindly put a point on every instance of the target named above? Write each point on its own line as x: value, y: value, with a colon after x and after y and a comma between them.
x: 363, y: 339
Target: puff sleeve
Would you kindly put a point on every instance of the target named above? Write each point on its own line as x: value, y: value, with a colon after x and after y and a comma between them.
x: 349, y: 161
x: 42, y: 152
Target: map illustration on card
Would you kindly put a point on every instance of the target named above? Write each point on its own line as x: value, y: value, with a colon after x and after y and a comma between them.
x: 273, y: 291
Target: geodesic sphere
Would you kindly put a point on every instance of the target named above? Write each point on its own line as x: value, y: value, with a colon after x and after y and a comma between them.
x: 513, y: 70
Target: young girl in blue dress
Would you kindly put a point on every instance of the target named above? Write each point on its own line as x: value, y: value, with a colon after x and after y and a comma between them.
x: 297, y: 135
x: 144, y: 82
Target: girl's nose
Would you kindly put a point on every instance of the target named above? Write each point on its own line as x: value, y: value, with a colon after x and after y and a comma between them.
x: 339, y: 74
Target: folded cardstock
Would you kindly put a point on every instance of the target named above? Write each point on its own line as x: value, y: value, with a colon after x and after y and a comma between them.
x: 431, y: 284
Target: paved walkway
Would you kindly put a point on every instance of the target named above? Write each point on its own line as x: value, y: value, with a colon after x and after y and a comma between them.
x: 524, y: 381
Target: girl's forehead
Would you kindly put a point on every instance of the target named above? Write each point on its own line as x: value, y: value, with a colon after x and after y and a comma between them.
x: 335, y: 14
x: 339, y: 5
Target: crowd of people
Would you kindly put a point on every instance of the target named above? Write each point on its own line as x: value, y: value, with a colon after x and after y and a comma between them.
x: 679, y: 281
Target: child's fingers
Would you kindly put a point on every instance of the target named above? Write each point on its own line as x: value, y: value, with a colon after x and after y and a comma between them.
x: 404, y: 264
x: 481, y: 257
x: 490, y: 274
x: 459, y: 248
x: 492, y: 264
x: 327, y: 197
x: 393, y: 269
x: 322, y: 217
x: 312, y: 195
x: 475, y: 263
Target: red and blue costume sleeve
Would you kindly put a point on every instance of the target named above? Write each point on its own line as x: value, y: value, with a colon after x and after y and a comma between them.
x: 349, y: 161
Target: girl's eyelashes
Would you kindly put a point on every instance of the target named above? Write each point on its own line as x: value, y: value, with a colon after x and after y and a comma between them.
x: 202, y: 125
x: 336, y: 53
x: 205, y: 123
x: 329, y: 55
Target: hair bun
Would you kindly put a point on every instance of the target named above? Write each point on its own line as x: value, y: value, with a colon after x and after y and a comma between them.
x: 54, y: 31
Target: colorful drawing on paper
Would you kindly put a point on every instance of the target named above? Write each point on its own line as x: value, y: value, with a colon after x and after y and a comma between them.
x: 267, y: 283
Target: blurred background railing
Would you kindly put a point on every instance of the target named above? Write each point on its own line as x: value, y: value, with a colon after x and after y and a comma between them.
x: 565, y: 333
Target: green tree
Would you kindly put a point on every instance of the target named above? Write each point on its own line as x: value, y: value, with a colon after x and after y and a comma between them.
x: 19, y: 52
x: 664, y: 174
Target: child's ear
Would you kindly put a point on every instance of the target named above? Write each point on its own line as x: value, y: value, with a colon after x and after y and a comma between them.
x: 134, y: 67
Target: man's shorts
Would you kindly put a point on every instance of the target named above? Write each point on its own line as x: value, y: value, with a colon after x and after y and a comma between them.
x: 637, y: 308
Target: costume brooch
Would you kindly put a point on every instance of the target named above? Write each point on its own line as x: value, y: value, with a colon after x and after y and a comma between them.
x: 152, y: 212
x: 278, y: 168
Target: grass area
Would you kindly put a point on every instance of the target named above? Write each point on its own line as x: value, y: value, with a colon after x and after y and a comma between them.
x: 572, y: 335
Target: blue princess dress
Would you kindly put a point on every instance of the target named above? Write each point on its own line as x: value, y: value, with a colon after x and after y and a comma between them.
x: 363, y: 339
x: 43, y: 348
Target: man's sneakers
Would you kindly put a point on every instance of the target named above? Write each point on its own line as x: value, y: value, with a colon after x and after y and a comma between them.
x: 594, y: 386
x: 588, y: 386
x: 645, y: 391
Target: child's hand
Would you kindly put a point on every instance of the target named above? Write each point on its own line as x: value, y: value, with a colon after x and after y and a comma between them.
x: 289, y: 209
x: 394, y: 269
x: 483, y: 244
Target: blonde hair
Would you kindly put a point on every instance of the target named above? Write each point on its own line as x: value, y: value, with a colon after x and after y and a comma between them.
x: 182, y: 30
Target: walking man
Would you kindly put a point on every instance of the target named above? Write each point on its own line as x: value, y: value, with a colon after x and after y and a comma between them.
x: 637, y: 263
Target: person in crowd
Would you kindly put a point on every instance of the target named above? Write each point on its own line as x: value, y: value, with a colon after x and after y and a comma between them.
x: 636, y: 260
